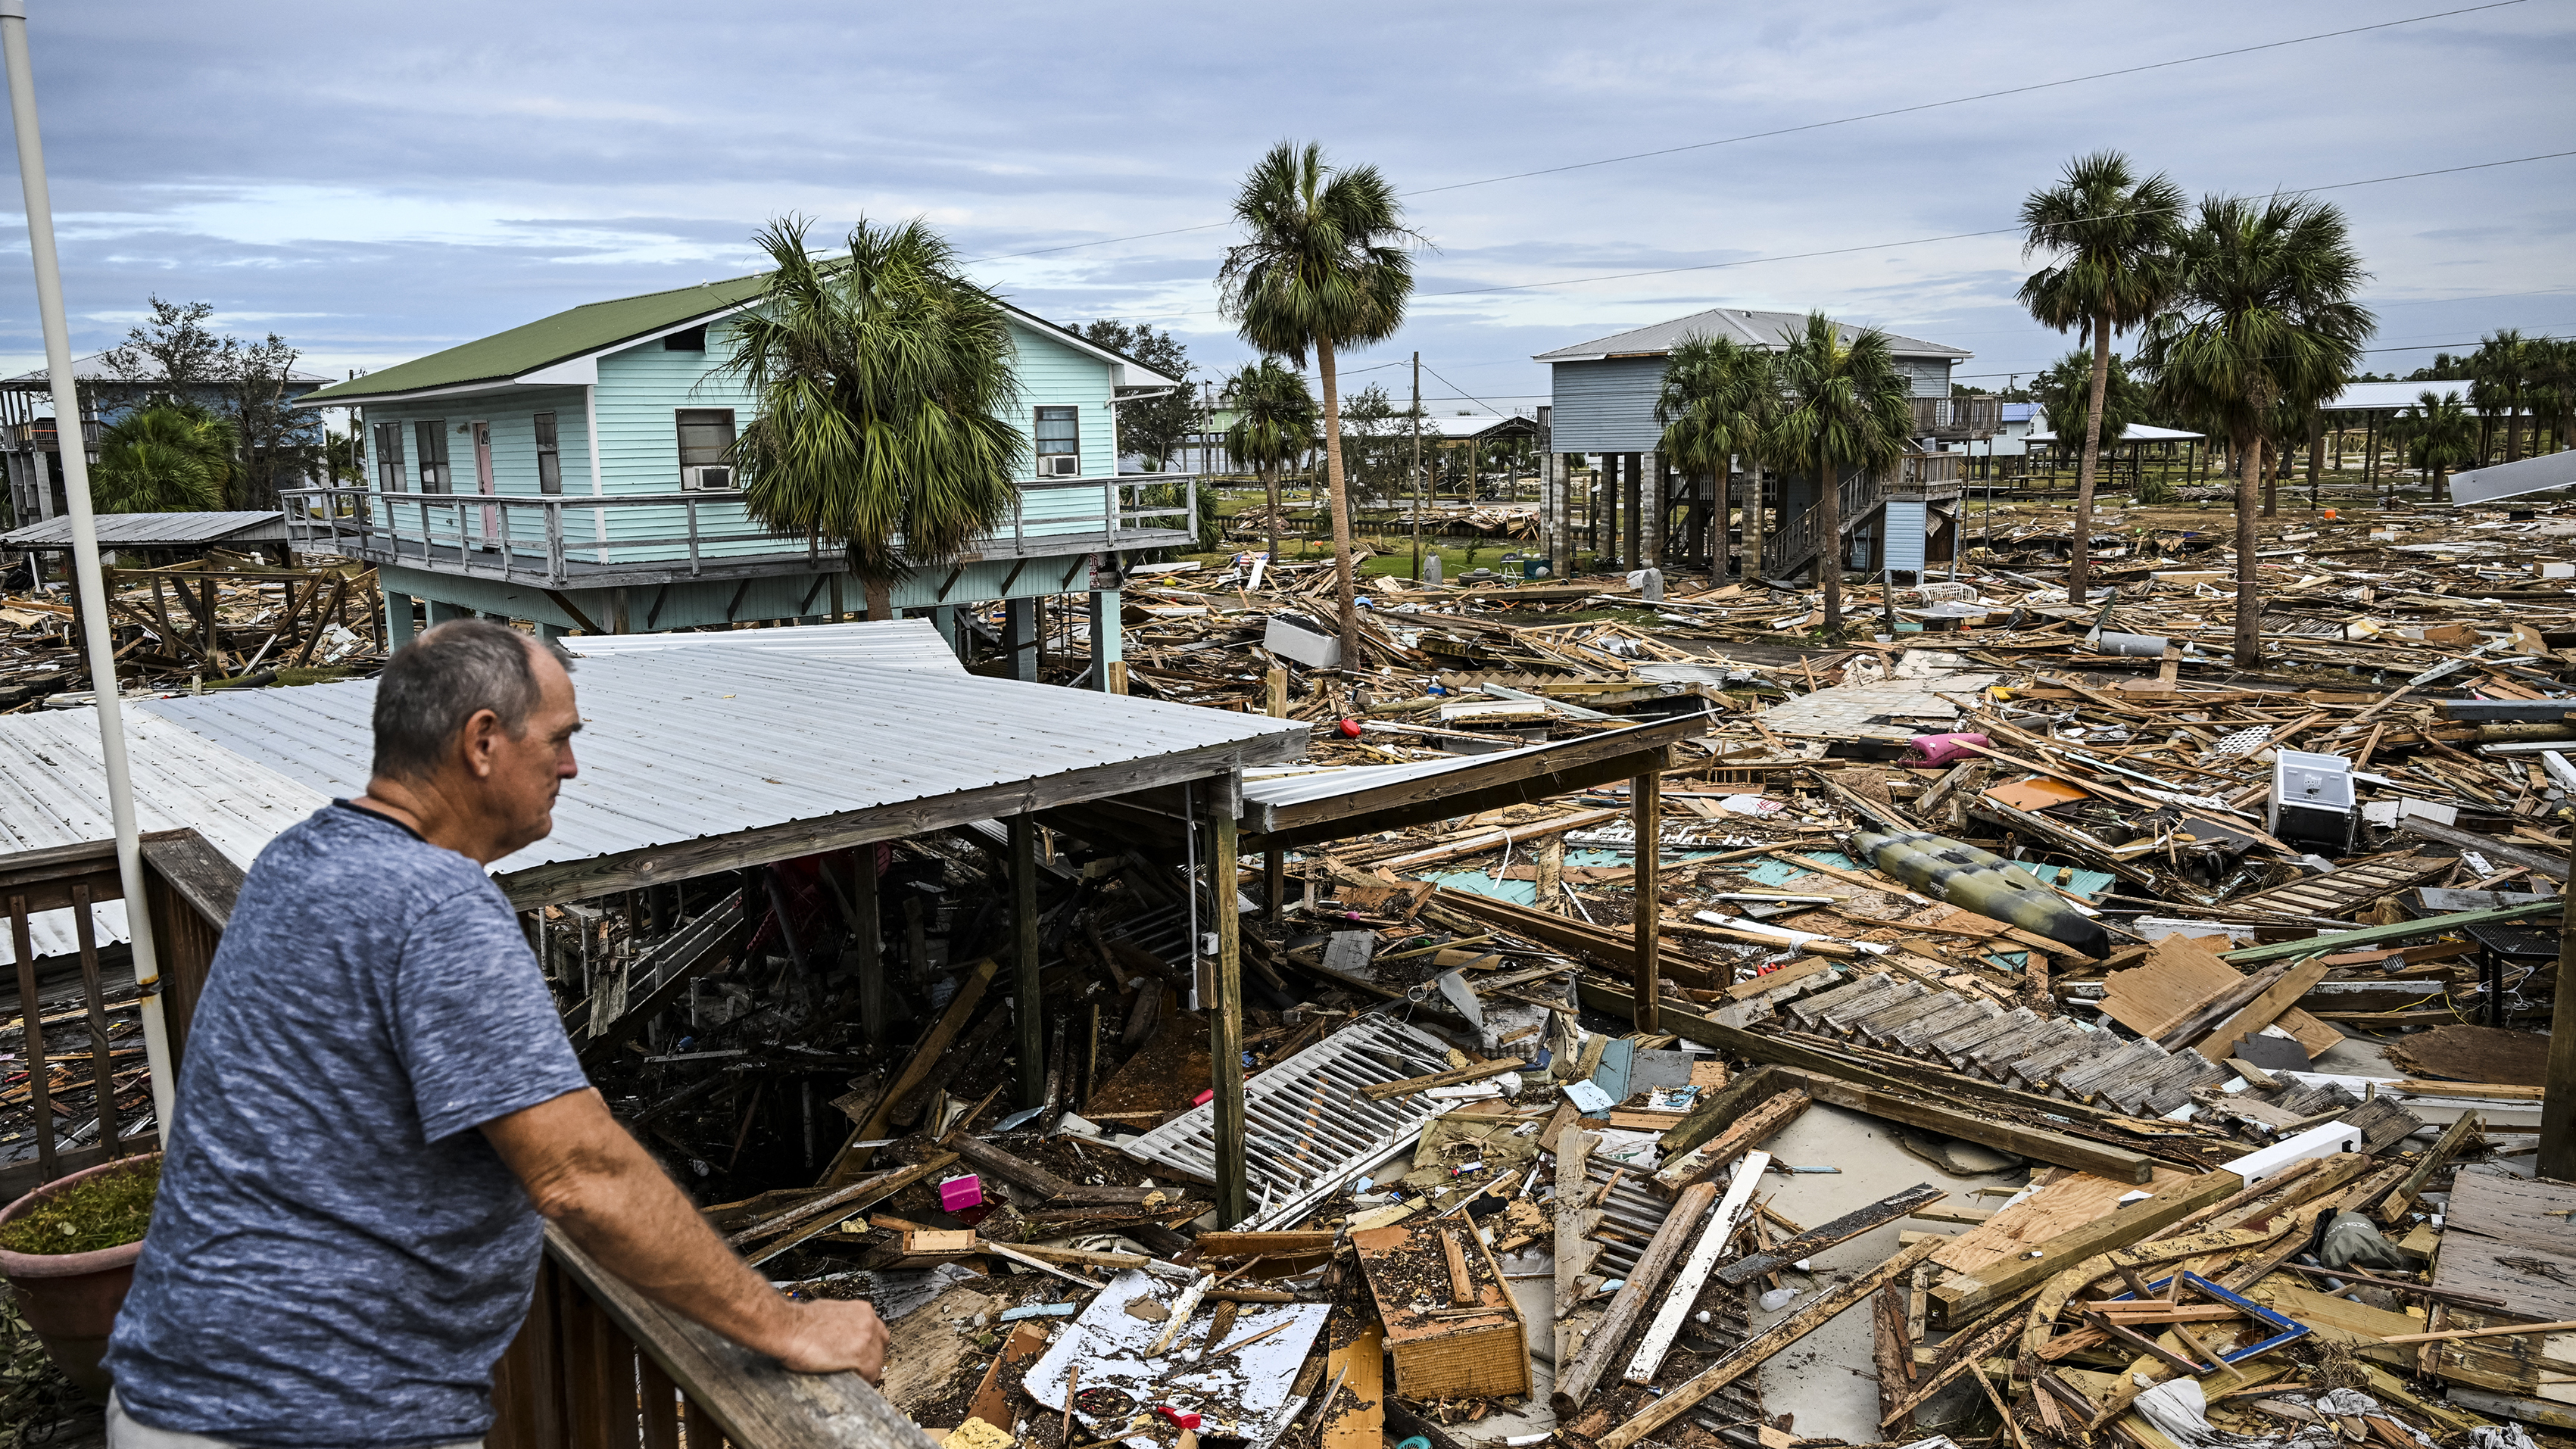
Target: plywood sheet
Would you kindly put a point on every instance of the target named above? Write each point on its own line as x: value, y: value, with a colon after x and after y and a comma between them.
x: 2179, y: 976
x: 2475, y: 1054
x: 2514, y: 1210
x: 2036, y: 793
x: 2063, y: 1205
x: 1356, y: 1418
x: 2498, y: 1239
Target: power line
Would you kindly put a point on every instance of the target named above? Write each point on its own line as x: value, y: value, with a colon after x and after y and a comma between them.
x: 1956, y: 236
x: 1809, y: 126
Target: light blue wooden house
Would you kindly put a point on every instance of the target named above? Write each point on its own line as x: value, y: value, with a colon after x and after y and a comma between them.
x: 575, y: 471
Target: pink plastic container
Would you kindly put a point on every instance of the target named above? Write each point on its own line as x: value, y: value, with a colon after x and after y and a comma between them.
x: 961, y: 1192
x: 1943, y: 749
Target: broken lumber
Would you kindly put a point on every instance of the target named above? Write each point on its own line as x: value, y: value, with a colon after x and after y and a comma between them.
x: 1574, y: 1382
x: 1841, y: 1230
x: 2401, y: 1199
x: 853, y: 1159
x: 1722, y: 1107
x: 1037, y: 1179
x: 1960, y: 1298
x: 1694, y: 1273
x: 2054, y: 1148
x: 1752, y: 1353
x: 1380, y: 1091
x: 1709, y: 1158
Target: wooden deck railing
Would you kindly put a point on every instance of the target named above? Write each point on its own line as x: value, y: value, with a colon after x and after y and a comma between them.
x: 599, y: 1366
x: 1957, y: 417
x: 86, y: 1106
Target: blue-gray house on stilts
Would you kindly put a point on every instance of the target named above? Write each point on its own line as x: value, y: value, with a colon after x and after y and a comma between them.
x: 1646, y: 512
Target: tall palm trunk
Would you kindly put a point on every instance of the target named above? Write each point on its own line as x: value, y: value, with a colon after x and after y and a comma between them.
x: 1270, y: 478
x: 2249, y: 604
x: 1829, y: 539
x: 2079, y: 569
x: 1344, y: 592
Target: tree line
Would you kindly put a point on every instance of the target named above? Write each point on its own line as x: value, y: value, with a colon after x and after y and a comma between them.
x: 202, y: 421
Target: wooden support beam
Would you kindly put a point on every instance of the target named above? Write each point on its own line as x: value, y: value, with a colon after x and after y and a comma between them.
x: 1841, y: 1230
x: 1754, y: 1351
x: 1645, y: 798
x: 1686, y: 1286
x: 1711, y: 1157
x: 1225, y: 1014
x: 853, y: 1159
x: 1962, y: 1297
x: 2055, y: 1148
x: 2401, y: 1199
x: 1573, y: 1249
x: 1027, y: 1004
x: 1575, y: 1381
x: 867, y: 943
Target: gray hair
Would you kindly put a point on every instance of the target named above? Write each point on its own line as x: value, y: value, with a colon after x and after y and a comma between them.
x: 433, y: 687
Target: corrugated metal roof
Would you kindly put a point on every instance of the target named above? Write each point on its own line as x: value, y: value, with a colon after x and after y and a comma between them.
x: 156, y: 530
x: 893, y: 643
x: 2375, y: 396
x: 692, y: 743
x: 94, y: 368
x: 2130, y: 433
x: 53, y: 791
x: 1762, y: 329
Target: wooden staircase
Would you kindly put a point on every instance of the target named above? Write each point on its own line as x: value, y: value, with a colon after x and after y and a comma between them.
x: 1795, y: 543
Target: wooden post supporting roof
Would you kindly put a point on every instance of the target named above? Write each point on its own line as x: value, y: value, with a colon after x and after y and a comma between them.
x: 1646, y: 799
x: 2558, y: 1099
x: 1225, y: 1018
x: 1027, y: 1013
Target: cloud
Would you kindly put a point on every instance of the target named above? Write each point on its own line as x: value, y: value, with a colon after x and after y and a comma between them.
x: 376, y: 188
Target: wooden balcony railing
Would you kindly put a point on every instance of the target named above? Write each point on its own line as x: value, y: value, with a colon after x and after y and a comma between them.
x: 1957, y: 417
x: 599, y: 1366
x: 93, y: 1102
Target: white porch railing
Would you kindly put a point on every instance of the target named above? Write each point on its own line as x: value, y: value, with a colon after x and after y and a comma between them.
x: 567, y: 539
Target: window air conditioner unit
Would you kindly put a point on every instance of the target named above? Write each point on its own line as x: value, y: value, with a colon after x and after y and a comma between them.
x: 709, y: 477
x: 1059, y: 465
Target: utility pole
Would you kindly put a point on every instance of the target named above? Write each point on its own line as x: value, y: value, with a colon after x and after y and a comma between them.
x: 88, y: 581
x: 1417, y: 467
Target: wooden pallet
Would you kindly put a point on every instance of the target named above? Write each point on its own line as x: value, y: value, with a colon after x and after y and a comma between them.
x: 2341, y: 892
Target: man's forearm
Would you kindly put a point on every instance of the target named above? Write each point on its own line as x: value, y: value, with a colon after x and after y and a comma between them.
x: 638, y: 1225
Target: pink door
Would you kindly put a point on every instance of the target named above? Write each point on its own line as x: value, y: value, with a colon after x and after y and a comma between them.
x: 483, y: 482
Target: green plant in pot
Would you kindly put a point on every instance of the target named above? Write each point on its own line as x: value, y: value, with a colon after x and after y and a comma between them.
x: 68, y: 1250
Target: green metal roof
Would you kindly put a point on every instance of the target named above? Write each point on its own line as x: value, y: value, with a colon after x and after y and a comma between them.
x: 585, y: 329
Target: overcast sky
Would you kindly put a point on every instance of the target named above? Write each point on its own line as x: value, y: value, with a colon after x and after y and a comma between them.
x: 378, y: 182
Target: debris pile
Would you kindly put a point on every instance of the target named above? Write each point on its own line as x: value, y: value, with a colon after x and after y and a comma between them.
x: 2166, y: 1019
x: 226, y: 621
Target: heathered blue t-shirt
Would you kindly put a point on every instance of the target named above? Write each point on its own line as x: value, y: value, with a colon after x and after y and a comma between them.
x: 337, y: 1256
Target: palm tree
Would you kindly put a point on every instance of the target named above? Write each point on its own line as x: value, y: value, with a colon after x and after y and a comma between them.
x: 2552, y: 391
x: 1843, y: 406
x: 1719, y: 398
x: 1324, y: 267
x: 171, y: 457
x: 2112, y: 236
x: 2263, y: 311
x: 2500, y: 373
x: 1274, y: 425
x: 882, y: 378
x: 2438, y: 435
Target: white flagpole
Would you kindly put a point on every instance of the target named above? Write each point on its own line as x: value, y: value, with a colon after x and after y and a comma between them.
x: 71, y: 438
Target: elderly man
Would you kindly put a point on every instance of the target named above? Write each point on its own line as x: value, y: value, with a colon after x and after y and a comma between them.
x: 379, y: 1106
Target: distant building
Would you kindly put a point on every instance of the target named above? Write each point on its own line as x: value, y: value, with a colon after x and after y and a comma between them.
x: 577, y: 471
x: 28, y: 442
x: 1603, y: 406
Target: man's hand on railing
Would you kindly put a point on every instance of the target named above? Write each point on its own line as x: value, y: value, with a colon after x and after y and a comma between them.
x: 837, y: 1336
x: 591, y: 1178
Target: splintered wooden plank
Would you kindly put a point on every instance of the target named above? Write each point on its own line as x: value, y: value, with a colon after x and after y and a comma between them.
x: 1841, y: 1230
x: 1355, y: 1418
x: 1963, y: 1297
x: 2068, y: 1203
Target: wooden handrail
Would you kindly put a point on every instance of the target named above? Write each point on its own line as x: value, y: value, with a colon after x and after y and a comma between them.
x: 189, y: 888
x: 598, y: 1363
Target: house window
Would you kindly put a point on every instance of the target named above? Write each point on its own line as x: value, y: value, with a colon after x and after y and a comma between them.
x: 432, y: 437
x: 706, y: 436
x: 549, y: 456
x: 1059, y: 438
x: 687, y: 339
x: 389, y: 458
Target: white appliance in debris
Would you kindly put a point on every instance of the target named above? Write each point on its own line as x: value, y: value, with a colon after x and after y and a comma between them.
x: 2312, y: 801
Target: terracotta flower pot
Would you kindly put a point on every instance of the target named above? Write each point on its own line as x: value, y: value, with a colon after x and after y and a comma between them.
x: 70, y: 1299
